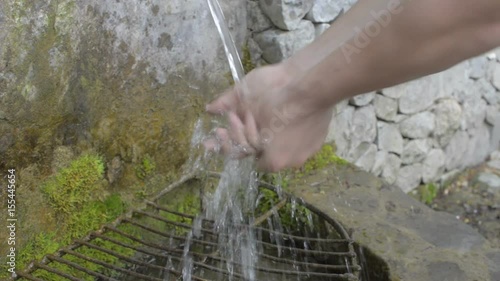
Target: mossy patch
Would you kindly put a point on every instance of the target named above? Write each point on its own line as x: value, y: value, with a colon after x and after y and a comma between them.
x: 426, y: 193
x: 79, y: 202
x: 324, y: 157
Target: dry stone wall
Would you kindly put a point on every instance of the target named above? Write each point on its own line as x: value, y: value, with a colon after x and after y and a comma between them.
x: 415, y: 133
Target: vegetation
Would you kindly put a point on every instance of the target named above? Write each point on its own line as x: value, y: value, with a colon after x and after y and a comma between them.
x: 427, y: 193
x: 145, y: 168
x: 79, y: 204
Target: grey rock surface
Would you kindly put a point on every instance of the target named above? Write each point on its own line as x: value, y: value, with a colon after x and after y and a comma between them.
x: 389, y: 138
x: 492, y: 114
x: 324, y: 11
x: 362, y: 100
x: 486, y: 89
x: 278, y: 45
x: 339, y: 130
x: 364, y: 156
x: 414, y: 242
x: 478, y: 147
x: 391, y: 169
x: 254, y: 50
x: 494, y: 164
x: 320, y: 28
x: 456, y: 149
x: 286, y: 14
x: 257, y: 20
x: 448, y: 115
x: 364, y: 125
x: 409, y: 177
x: 385, y: 108
x: 417, y: 126
x: 415, y: 151
x: 491, y: 180
x: 418, y: 94
x: 433, y: 165
x: 496, y: 76
x: 474, y: 112
x: 379, y: 163
x: 478, y: 67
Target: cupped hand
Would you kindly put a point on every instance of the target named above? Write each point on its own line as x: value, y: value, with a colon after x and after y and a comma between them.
x: 269, y: 118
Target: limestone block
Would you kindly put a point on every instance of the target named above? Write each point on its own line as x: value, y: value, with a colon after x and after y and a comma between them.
x: 286, y: 14
x: 278, y: 45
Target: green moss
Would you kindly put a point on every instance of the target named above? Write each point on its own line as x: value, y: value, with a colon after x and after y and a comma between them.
x: 80, y: 205
x: 326, y: 156
x: 246, y: 60
x: 292, y: 216
x: 426, y: 193
x: 145, y: 168
x: 73, y: 186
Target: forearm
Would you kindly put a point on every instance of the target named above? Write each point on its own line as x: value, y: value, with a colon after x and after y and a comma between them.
x: 421, y: 37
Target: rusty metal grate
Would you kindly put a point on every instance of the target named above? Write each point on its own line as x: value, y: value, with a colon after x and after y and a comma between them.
x: 148, y: 244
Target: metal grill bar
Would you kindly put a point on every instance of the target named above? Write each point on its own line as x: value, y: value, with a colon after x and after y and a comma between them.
x: 203, y: 249
x: 287, y: 235
x: 207, y: 243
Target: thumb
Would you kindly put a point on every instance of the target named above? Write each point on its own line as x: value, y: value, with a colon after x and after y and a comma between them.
x: 226, y: 102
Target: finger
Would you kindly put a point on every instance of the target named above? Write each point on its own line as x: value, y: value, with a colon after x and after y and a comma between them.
x: 224, y: 141
x: 227, y: 101
x: 251, y: 132
x: 237, y: 134
x: 211, y: 144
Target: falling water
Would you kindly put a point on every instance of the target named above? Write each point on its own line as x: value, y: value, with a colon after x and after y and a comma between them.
x: 233, y: 202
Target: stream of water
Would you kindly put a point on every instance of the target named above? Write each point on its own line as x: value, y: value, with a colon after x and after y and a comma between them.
x: 235, y: 197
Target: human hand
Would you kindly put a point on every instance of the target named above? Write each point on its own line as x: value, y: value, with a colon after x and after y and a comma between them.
x: 269, y: 118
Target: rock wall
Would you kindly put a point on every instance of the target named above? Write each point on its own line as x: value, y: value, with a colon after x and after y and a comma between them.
x: 418, y: 132
x: 125, y: 78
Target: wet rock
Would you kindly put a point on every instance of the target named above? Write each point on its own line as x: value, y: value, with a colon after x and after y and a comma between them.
x: 433, y: 165
x: 415, y: 151
x: 114, y: 169
x: 385, y: 108
x: 363, y: 99
x: 379, y: 163
x: 409, y: 177
x: 448, y: 115
x: 389, y: 138
x: 391, y: 169
x: 339, y: 130
x: 496, y: 76
x: 286, y: 15
x: 278, y: 45
x: 456, y: 149
x: 320, y: 28
x: 257, y: 20
x: 324, y: 11
x: 417, y: 126
x: 418, y: 94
